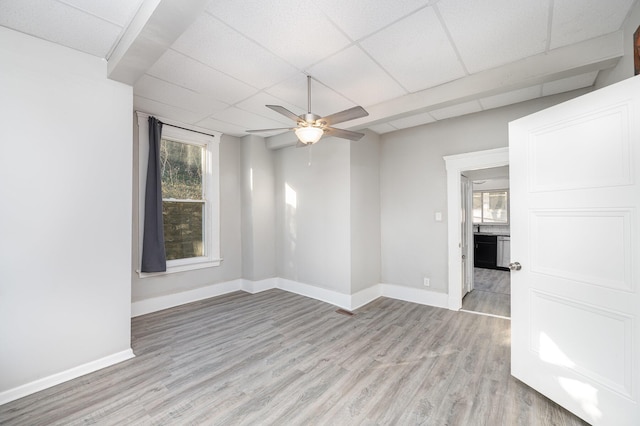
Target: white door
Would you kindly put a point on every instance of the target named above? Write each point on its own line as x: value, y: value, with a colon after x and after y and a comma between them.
x: 575, y: 202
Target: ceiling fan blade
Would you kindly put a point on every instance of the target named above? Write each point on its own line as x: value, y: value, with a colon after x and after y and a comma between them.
x: 269, y: 130
x: 344, y: 134
x: 346, y: 115
x: 282, y: 110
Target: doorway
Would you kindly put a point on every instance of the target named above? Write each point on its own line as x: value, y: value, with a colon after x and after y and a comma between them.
x: 456, y: 165
x: 485, y: 210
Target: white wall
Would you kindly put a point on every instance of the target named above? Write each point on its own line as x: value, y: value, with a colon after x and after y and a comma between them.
x: 365, y: 212
x: 258, y: 210
x: 624, y: 69
x: 312, y: 214
x: 230, y: 234
x: 413, y: 186
x: 65, y: 221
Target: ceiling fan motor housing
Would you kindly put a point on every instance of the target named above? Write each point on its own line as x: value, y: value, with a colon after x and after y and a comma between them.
x: 311, y: 119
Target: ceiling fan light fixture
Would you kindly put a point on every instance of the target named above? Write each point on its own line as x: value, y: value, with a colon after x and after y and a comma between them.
x: 309, y: 135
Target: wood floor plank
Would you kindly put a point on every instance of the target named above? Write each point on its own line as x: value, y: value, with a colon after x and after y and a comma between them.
x: 276, y: 358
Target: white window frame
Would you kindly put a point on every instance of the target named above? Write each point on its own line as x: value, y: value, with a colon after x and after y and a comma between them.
x: 483, y: 223
x: 211, y: 183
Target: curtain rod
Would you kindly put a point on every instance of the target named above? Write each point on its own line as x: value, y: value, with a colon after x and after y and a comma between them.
x: 184, y: 128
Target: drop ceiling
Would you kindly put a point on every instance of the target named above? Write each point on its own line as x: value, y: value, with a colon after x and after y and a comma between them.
x: 215, y: 64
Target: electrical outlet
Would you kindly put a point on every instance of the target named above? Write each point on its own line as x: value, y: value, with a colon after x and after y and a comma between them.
x: 427, y: 282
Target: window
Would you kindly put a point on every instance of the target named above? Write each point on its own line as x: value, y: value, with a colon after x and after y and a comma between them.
x: 491, y: 207
x: 190, y: 196
x: 183, y: 200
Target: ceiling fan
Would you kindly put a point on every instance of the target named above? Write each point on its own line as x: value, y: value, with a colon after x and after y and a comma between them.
x: 311, y: 127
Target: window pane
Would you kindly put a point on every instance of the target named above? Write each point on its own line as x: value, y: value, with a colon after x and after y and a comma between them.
x: 494, y: 207
x: 181, y: 168
x: 183, y: 229
x: 477, y: 207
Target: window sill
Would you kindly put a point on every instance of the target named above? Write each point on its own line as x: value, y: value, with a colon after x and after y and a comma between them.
x: 181, y: 268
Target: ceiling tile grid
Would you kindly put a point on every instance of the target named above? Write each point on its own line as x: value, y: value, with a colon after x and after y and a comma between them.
x: 218, y: 46
x: 161, y: 91
x: 393, y: 57
x: 577, y: 20
x: 416, y: 51
x: 295, y: 30
x: 191, y: 74
x: 512, y: 29
x: 372, y: 15
x: 358, y: 77
x: 62, y: 24
x: 118, y: 12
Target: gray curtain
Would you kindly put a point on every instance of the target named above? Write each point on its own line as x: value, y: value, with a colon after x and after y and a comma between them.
x: 154, y: 258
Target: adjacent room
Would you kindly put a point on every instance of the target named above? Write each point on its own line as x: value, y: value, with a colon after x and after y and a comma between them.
x: 320, y: 212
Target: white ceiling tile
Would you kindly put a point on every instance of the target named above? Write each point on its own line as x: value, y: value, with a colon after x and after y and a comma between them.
x: 511, y: 97
x: 221, y: 126
x: 353, y: 74
x: 119, y: 12
x: 239, y: 117
x: 59, y: 23
x: 569, y: 83
x: 359, y: 18
x: 416, y: 51
x: 169, y: 111
x: 295, y: 30
x: 167, y: 93
x: 257, y: 105
x: 489, y: 35
x: 191, y: 74
x: 215, y: 44
x: 324, y: 101
x: 577, y: 20
x: 413, y: 120
x: 382, y: 128
x: 456, y: 110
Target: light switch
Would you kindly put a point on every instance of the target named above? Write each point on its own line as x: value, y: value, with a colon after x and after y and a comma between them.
x: 438, y: 216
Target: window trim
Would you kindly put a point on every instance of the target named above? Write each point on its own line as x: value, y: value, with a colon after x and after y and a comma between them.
x: 211, y: 183
x: 483, y: 223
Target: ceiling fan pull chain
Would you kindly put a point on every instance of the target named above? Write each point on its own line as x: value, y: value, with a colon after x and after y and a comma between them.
x: 309, y: 160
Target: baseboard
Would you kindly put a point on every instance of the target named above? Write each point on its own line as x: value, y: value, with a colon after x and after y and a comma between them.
x: 345, y: 301
x: 325, y: 295
x: 258, y: 286
x: 415, y: 295
x: 72, y: 373
x: 365, y: 296
x: 159, y: 303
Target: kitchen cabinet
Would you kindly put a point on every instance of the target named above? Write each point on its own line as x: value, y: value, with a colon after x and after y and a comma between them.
x: 485, y: 252
x: 491, y: 251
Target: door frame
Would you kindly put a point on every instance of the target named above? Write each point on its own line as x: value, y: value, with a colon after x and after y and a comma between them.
x: 455, y: 165
x: 466, y: 197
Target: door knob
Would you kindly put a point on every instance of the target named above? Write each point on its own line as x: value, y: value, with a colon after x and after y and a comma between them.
x: 515, y: 266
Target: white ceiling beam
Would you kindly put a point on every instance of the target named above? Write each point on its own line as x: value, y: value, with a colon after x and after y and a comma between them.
x: 591, y: 55
x: 154, y: 28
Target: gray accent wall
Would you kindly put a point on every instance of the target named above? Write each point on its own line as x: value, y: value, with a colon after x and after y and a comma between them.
x: 230, y: 234
x: 312, y: 214
x: 413, y: 187
x: 258, y: 210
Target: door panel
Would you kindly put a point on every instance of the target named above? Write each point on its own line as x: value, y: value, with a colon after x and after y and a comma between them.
x: 575, y: 230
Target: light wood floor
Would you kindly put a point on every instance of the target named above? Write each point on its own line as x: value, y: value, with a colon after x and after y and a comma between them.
x: 491, y: 293
x: 276, y: 358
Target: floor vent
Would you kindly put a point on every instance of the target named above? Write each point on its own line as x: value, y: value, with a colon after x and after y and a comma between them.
x: 345, y: 312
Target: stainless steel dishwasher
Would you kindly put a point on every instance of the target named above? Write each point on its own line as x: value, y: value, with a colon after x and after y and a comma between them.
x: 504, y: 251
